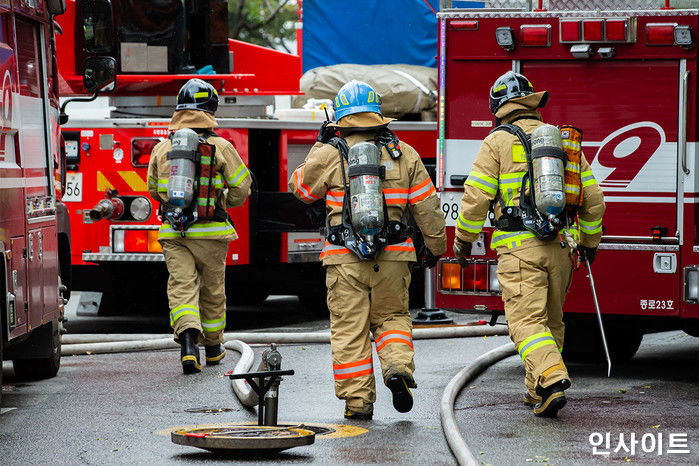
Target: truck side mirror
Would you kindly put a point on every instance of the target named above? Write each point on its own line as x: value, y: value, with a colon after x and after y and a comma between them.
x: 98, y: 27
x: 56, y: 7
x: 99, y: 74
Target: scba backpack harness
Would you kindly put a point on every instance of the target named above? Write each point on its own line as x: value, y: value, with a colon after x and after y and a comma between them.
x: 365, y: 229
x: 555, y: 186
x: 192, y: 170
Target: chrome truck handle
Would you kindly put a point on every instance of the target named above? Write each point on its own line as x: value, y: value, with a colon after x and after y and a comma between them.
x: 682, y: 139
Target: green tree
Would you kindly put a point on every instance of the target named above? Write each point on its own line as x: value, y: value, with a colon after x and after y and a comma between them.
x: 264, y: 22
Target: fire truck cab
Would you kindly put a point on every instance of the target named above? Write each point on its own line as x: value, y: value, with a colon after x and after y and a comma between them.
x: 34, y: 228
x: 626, y: 74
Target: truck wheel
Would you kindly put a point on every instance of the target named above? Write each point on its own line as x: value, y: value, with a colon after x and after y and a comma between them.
x: 583, y: 342
x: 47, y: 337
x: 1, y: 369
x: 315, y: 301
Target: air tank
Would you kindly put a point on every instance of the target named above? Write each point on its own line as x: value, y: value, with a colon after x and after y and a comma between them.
x: 365, y: 190
x: 180, y: 190
x: 548, y: 160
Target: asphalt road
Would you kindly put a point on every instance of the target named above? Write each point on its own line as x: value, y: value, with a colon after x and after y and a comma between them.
x: 117, y: 409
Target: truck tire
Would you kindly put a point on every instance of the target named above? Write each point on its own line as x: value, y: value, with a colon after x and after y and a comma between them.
x: 46, y: 338
x: 315, y: 301
x: 583, y: 342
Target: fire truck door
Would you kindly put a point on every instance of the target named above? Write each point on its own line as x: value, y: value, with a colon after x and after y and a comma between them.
x: 628, y: 111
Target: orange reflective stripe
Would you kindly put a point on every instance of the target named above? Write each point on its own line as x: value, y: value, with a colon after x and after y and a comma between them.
x: 332, y: 249
x: 394, y: 336
x: 353, y: 369
x: 395, y: 196
x: 407, y: 245
x: 303, y: 190
x: 421, y: 191
x: 334, y: 198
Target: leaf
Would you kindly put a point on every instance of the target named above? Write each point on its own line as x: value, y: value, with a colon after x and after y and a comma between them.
x: 646, y: 386
x: 622, y: 390
x: 655, y: 427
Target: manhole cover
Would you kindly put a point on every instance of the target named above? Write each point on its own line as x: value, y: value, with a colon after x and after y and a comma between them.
x: 209, y: 410
x: 244, y: 438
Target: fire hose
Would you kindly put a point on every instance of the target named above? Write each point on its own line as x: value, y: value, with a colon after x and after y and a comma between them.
x: 455, y: 440
x: 238, y: 341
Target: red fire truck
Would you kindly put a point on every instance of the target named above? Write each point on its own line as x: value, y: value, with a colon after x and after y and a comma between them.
x: 628, y: 78
x: 115, y: 250
x: 34, y: 229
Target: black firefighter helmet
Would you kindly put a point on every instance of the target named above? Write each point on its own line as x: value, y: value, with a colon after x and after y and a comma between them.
x: 510, y: 86
x: 197, y: 95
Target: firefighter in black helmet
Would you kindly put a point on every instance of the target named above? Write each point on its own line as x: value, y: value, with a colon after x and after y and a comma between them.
x: 195, y: 252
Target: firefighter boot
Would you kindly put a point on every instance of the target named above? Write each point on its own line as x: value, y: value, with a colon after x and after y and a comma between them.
x: 214, y: 354
x: 190, y: 351
x: 365, y: 413
x: 553, y: 398
x: 402, y: 398
x: 530, y: 400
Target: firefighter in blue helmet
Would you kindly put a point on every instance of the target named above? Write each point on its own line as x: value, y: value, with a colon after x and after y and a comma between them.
x: 369, y: 181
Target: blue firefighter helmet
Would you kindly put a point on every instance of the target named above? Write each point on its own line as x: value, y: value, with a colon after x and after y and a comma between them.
x: 356, y: 97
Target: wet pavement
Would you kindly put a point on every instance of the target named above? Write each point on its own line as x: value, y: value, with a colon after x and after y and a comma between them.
x: 117, y: 409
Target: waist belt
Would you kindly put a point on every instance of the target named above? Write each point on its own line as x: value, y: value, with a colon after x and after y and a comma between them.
x: 395, y: 232
x: 510, y: 220
x: 220, y: 214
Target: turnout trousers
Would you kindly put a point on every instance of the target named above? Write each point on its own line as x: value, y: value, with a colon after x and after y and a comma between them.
x: 534, y: 282
x: 196, y: 286
x: 363, y: 301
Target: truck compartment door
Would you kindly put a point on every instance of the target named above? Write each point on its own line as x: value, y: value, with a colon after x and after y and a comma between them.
x: 628, y: 112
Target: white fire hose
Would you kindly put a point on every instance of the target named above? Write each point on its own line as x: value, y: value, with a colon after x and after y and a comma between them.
x: 239, y: 341
x: 456, y: 442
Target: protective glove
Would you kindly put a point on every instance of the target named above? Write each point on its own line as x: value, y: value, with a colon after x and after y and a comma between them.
x: 587, y: 254
x: 462, y: 251
x: 326, y: 133
x: 429, y: 260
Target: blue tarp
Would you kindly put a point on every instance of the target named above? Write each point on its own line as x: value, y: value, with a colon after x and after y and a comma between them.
x: 371, y: 32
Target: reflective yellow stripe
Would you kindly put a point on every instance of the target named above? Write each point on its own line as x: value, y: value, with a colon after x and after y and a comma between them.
x: 198, y: 230
x: 201, y: 94
x: 512, y: 239
x: 510, y: 185
x: 588, y: 178
x: 573, y: 167
x: 573, y: 188
x: 502, y: 87
x: 482, y: 182
x: 238, y: 176
x: 535, y: 341
x: 162, y: 185
x: 213, y: 325
x: 472, y: 226
x: 569, y: 144
x: 183, y: 310
x: 590, y: 228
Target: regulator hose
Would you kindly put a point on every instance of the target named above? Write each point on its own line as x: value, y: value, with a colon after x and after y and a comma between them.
x: 456, y: 442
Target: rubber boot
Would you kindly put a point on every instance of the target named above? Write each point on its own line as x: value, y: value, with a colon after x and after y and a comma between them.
x: 530, y: 400
x: 402, y: 398
x: 365, y: 414
x: 214, y: 354
x: 190, y: 351
x: 553, y: 398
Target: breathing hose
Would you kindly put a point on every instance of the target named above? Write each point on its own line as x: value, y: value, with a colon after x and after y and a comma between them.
x: 456, y: 442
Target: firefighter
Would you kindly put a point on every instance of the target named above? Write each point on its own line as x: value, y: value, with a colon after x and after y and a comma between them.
x: 534, y: 274
x: 195, y: 249
x: 368, y: 295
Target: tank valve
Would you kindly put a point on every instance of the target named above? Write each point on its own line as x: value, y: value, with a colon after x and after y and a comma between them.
x: 109, y: 208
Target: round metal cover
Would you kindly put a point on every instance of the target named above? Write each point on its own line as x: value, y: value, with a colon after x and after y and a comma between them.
x: 244, y: 437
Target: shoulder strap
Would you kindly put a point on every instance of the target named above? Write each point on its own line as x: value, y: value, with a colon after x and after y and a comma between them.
x: 519, y: 132
x: 341, y: 145
x: 388, y: 139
